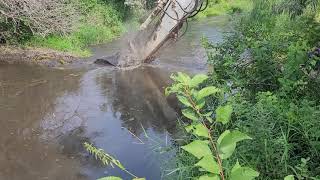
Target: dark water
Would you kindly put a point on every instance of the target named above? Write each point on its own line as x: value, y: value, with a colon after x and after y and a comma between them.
x: 45, y: 114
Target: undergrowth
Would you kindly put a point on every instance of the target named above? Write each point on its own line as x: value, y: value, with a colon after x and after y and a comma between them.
x: 223, y: 7
x: 99, y: 23
x: 270, y: 65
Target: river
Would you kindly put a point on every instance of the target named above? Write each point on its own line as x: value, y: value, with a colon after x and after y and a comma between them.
x: 46, y: 114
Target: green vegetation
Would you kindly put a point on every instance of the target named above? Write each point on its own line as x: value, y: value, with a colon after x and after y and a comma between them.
x: 85, y: 22
x: 106, y: 160
x: 99, y: 23
x: 223, y: 7
x: 210, y: 148
x: 269, y: 70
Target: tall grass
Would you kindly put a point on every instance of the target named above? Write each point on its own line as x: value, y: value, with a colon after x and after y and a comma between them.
x: 99, y: 22
x: 223, y: 7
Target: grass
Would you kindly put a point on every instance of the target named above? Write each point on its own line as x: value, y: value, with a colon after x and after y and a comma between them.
x: 77, y: 43
x: 99, y: 23
x: 224, y: 7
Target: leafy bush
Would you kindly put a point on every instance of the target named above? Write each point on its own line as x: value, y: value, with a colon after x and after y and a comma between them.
x: 271, y: 67
x: 210, y: 148
x: 283, y: 132
x: 268, y: 52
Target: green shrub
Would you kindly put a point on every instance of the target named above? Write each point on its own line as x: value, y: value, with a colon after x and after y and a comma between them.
x: 283, y: 132
x: 274, y: 81
x: 211, y: 148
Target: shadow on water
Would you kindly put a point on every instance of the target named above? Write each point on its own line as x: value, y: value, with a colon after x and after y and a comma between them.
x: 47, y: 114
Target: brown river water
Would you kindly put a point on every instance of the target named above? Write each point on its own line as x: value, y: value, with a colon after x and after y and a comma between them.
x: 46, y: 114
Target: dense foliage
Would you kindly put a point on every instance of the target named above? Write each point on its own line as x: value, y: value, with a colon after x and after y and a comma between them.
x: 210, y: 148
x: 271, y: 67
x: 65, y: 25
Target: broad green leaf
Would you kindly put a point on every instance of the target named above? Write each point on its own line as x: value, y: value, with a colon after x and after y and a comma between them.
x: 190, y: 114
x: 208, y: 164
x: 290, y: 177
x: 227, y: 142
x: 209, y: 177
x: 189, y: 128
x: 110, y: 178
x: 207, y: 91
x: 184, y: 101
x: 198, y: 148
x: 223, y: 114
x: 197, y: 79
x: 200, y: 130
x: 243, y: 173
x: 181, y: 77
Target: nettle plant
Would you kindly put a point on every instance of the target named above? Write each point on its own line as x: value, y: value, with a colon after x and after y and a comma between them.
x: 210, y: 151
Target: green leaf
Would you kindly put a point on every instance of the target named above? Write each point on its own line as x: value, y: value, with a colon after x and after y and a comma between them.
x: 208, y: 164
x: 200, y: 130
x: 223, y: 114
x: 190, y: 114
x: 207, y: 91
x: 290, y: 177
x: 243, y: 173
x: 227, y: 142
x: 198, y: 148
x: 209, y: 177
x: 189, y: 128
x: 197, y: 80
x: 184, y: 101
x: 200, y: 104
x: 139, y: 179
x: 209, y: 119
x: 181, y: 77
x: 110, y: 178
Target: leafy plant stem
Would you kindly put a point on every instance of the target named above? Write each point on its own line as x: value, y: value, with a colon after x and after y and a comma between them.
x: 213, y: 145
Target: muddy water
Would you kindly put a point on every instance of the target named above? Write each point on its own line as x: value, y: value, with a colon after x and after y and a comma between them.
x: 45, y: 114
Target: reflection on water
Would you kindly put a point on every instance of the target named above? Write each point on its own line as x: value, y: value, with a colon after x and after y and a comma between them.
x: 47, y: 114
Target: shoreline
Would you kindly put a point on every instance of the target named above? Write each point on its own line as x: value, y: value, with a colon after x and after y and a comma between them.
x: 37, y: 56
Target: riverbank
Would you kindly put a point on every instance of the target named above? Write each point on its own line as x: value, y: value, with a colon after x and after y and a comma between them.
x: 64, y: 31
x: 39, y: 56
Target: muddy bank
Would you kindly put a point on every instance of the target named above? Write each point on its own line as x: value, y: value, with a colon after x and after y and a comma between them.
x: 44, y: 57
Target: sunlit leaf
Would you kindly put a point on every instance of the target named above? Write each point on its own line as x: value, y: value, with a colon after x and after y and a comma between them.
x: 190, y: 114
x: 110, y: 178
x: 198, y: 79
x: 189, y: 128
x: 198, y: 148
x: 184, y: 101
x: 243, y: 173
x: 290, y: 177
x: 139, y: 179
x: 223, y: 114
x: 181, y: 77
x: 200, y: 130
x: 227, y: 142
x: 207, y: 91
x: 209, y: 177
x: 208, y: 164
